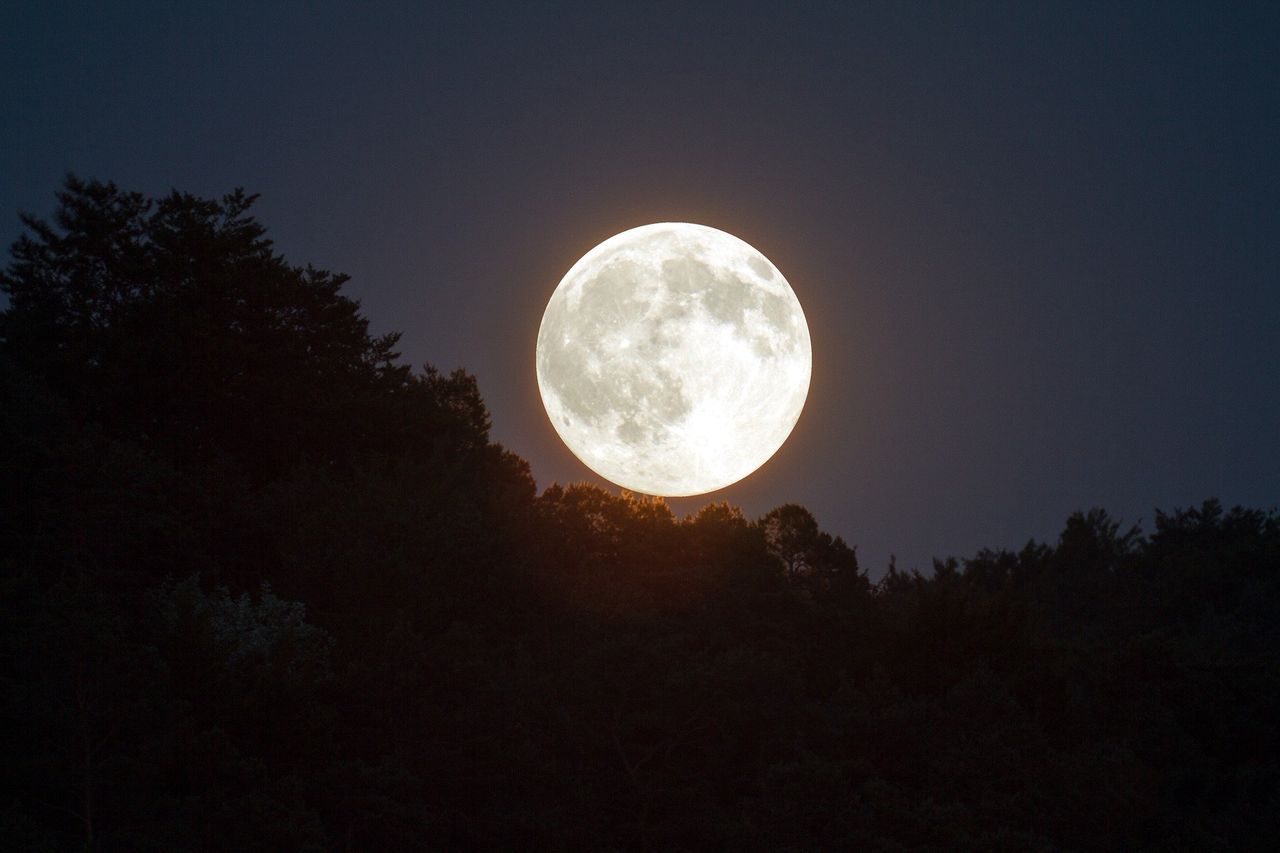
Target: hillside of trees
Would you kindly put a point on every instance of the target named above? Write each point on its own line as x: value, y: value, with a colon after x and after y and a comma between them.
x: 263, y: 587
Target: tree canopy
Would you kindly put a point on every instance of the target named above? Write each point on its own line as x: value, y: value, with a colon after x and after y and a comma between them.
x: 265, y: 587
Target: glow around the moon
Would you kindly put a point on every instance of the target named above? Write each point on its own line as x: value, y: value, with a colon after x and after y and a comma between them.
x: 674, y: 359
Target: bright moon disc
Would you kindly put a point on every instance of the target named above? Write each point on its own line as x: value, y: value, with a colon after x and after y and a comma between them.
x: 673, y: 359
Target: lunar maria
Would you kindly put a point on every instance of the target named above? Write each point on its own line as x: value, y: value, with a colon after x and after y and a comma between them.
x: 673, y: 359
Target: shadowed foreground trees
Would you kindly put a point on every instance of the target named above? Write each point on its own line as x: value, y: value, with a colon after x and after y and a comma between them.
x: 265, y: 588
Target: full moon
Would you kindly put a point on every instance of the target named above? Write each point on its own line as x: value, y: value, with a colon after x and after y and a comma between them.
x: 673, y: 359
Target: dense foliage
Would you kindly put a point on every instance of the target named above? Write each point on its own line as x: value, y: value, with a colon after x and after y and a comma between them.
x: 265, y: 588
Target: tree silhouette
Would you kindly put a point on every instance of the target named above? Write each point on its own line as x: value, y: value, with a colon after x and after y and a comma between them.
x: 172, y: 322
x: 263, y: 587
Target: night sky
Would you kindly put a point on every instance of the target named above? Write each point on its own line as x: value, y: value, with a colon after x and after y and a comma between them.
x: 1037, y: 244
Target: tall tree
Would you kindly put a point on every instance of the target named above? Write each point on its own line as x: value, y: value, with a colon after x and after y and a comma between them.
x: 174, y: 323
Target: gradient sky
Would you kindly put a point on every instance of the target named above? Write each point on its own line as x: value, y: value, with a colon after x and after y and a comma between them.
x: 1037, y: 243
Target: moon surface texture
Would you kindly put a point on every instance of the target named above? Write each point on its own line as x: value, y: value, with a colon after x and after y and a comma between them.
x: 673, y: 359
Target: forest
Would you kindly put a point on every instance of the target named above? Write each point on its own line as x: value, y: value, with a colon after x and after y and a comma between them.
x: 265, y: 587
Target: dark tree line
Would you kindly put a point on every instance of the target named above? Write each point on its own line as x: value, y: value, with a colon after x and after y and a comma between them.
x: 266, y: 588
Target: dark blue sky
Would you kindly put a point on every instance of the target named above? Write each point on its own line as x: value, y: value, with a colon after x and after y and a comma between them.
x: 1037, y: 243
